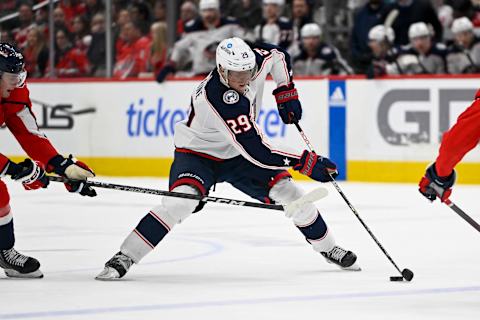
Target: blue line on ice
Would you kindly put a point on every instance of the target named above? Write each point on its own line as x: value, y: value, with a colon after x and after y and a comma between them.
x: 238, y: 302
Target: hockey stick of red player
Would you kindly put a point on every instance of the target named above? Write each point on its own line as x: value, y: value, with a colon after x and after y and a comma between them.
x: 309, y: 197
x: 407, y: 274
x: 462, y: 214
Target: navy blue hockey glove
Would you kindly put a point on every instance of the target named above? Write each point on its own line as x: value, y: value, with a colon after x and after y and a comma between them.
x: 29, y: 173
x: 289, y: 106
x: 72, y: 169
x: 166, y: 70
x: 316, y: 167
x: 432, y: 185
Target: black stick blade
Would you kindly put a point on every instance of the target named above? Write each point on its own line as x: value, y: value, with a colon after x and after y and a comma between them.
x: 407, y: 274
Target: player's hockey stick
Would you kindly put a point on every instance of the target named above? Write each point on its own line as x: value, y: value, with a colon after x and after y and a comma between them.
x: 309, y: 197
x: 406, y: 273
x: 462, y: 214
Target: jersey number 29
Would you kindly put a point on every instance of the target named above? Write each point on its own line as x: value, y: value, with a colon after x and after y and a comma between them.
x: 239, y: 125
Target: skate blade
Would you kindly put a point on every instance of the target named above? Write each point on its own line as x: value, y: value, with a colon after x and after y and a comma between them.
x: 15, y: 274
x: 353, y: 267
x: 108, y: 274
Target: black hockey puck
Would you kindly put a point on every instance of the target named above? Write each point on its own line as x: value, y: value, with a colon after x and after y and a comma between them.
x: 395, y: 278
x: 407, y: 274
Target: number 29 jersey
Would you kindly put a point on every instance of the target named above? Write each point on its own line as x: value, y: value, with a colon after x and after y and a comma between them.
x: 222, y: 122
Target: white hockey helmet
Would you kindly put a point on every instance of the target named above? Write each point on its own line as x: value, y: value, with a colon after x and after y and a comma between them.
x: 418, y: 29
x: 380, y: 33
x: 461, y: 25
x: 311, y: 30
x: 209, y: 4
x: 279, y: 3
x: 233, y: 54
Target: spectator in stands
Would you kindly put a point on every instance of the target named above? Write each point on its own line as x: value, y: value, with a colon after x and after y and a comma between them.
x: 41, y: 20
x: 422, y: 55
x: 59, y: 20
x: 133, y: 57
x: 200, y: 41
x: 72, y: 8
x: 92, y: 8
x: 158, y: 54
x: 141, y: 15
x: 188, y: 12
x: 474, y: 13
x: 365, y: 19
x: 247, y: 12
x: 81, y: 33
x: 35, y: 53
x: 96, y: 53
x: 25, y: 18
x: 316, y: 57
x: 159, y: 11
x: 409, y: 12
x: 274, y: 28
x: 301, y: 15
x: 69, y: 62
x: 464, y: 54
x: 384, y: 55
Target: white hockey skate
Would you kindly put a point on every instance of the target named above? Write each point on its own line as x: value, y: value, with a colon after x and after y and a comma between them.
x: 346, y: 260
x: 115, y: 268
x: 17, y: 265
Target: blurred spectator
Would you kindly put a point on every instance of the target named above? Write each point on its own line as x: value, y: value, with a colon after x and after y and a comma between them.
x: 188, y: 12
x: 92, y: 7
x: 317, y: 57
x: 445, y: 16
x: 423, y: 55
x: 35, y: 53
x: 25, y: 18
x: 41, y: 20
x: 464, y: 55
x: 158, y: 54
x: 380, y: 40
x: 72, y: 8
x: 247, y: 12
x: 200, y: 41
x: 159, y: 11
x: 69, y: 62
x: 96, y: 53
x: 133, y: 57
x: 81, y: 33
x: 365, y: 18
x: 474, y: 13
x: 141, y: 15
x: 59, y: 20
x: 409, y: 12
x: 273, y: 28
x: 301, y: 15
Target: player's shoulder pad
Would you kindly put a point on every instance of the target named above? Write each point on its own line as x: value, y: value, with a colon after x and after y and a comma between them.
x: 194, y: 25
x: 226, y: 101
x: 263, y: 50
x: 228, y: 20
x: 19, y: 96
x: 285, y: 23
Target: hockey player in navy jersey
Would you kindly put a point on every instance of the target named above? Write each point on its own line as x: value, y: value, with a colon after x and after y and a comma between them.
x: 221, y: 142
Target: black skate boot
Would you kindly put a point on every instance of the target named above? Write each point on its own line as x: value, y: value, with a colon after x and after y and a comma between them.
x: 342, y: 258
x: 116, y: 267
x: 17, y: 265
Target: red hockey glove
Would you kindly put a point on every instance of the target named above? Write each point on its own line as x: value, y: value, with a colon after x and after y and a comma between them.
x: 289, y: 106
x: 316, y: 167
x: 432, y: 185
x: 29, y: 173
x: 73, y: 169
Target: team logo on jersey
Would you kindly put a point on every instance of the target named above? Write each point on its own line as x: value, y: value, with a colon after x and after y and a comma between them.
x: 231, y: 97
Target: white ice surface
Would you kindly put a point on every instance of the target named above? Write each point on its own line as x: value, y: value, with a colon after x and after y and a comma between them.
x: 239, y: 263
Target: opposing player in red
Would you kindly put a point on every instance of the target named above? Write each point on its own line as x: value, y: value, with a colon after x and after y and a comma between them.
x: 460, y: 139
x: 16, y: 114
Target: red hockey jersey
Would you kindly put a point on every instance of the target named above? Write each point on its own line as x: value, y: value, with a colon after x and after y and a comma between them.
x: 16, y: 114
x: 460, y: 139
